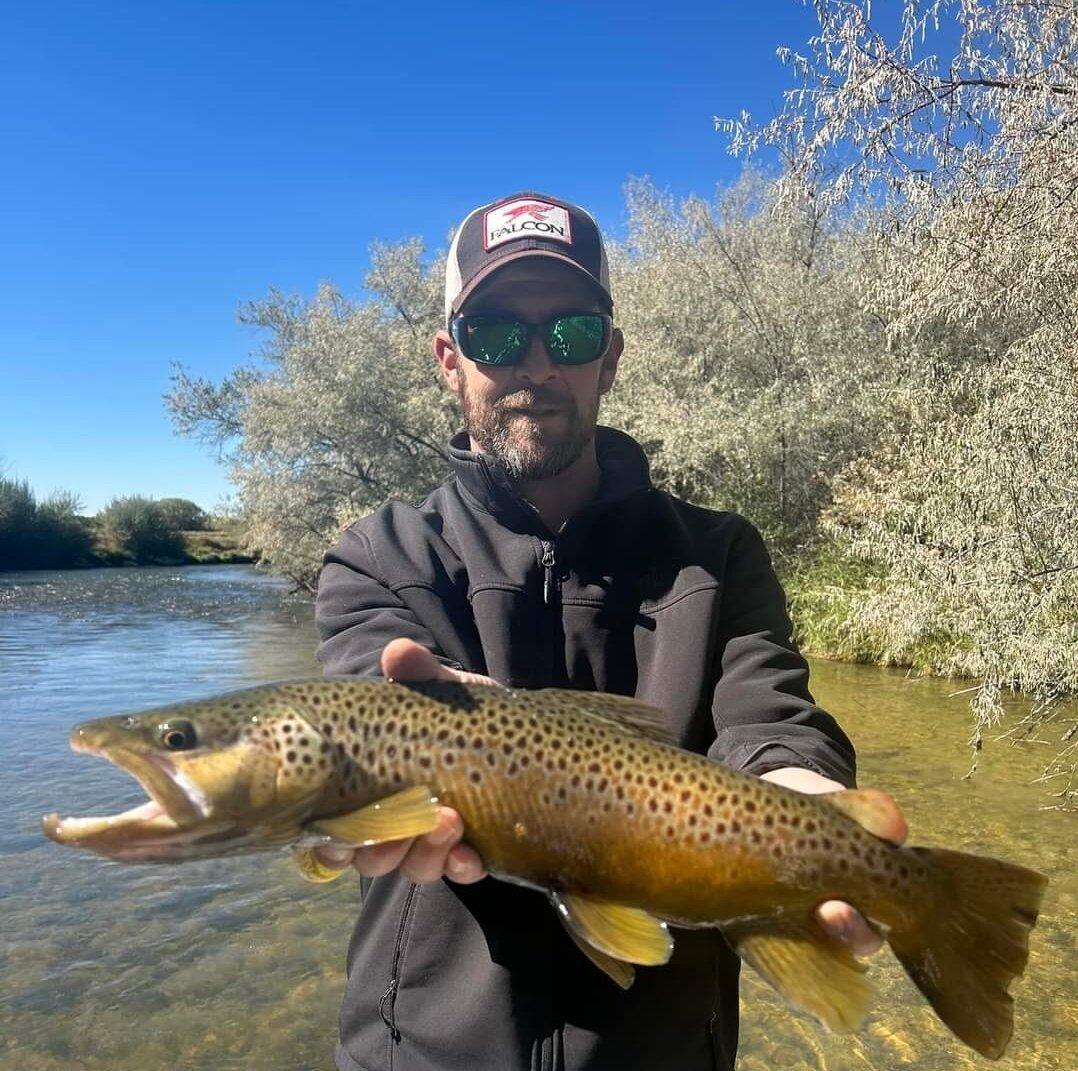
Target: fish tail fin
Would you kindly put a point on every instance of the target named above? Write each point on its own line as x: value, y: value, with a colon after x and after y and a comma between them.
x: 971, y: 940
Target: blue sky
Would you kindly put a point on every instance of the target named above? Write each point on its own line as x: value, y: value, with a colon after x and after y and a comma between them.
x: 165, y: 162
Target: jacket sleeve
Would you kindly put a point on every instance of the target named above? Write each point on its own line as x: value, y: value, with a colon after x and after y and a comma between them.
x: 765, y: 716
x: 357, y: 614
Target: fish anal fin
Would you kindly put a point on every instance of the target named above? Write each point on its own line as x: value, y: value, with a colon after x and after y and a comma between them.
x: 405, y: 814
x: 806, y: 967
x: 622, y: 711
x: 312, y: 868
x: 618, y: 971
x: 623, y: 933
x: 875, y: 811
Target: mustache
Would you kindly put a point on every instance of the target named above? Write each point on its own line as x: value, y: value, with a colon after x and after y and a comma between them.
x: 532, y: 396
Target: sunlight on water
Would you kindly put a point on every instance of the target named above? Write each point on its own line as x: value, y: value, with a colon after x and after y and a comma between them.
x: 239, y: 964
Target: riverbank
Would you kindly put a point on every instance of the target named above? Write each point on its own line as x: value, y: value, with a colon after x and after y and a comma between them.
x: 216, y: 547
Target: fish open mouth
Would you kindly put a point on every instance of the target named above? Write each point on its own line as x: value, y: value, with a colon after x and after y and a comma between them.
x: 174, y: 804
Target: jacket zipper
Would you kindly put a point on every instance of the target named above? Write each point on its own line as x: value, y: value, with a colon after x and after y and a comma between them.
x: 387, y: 1002
x: 548, y: 571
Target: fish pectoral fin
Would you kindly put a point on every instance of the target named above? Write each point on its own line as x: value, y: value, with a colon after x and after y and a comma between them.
x: 871, y: 809
x: 405, y: 814
x: 620, y: 932
x: 312, y: 868
x: 617, y: 970
x: 809, y: 969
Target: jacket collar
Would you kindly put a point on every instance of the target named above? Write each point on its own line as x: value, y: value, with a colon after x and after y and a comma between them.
x: 623, y: 469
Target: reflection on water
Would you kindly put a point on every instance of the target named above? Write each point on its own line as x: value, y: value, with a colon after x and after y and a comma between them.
x: 238, y: 963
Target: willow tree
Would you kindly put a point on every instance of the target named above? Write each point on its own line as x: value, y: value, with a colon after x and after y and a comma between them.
x: 342, y: 411
x: 754, y: 363
x: 972, y: 501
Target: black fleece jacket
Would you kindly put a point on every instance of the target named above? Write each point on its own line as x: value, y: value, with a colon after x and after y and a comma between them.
x: 641, y: 594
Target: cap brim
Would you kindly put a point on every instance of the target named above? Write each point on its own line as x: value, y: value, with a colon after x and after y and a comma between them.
x: 489, y: 269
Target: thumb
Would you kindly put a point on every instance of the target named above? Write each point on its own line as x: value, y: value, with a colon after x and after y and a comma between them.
x: 406, y: 660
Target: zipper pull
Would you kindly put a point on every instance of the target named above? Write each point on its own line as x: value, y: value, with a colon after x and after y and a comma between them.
x: 548, y: 569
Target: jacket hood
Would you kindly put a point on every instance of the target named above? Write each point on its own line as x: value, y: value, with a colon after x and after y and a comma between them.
x: 623, y: 470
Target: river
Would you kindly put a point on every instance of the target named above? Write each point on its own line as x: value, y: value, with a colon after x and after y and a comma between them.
x: 238, y: 963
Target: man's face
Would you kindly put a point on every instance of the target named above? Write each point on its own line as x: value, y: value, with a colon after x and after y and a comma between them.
x: 537, y: 417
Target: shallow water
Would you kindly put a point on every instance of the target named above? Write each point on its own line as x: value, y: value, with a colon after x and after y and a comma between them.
x: 239, y: 964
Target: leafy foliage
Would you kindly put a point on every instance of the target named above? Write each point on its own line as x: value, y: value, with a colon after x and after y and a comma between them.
x: 140, y: 528
x: 970, y: 500
x: 42, y: 535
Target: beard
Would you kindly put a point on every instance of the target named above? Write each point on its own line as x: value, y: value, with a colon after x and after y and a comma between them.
x: 530, y: 448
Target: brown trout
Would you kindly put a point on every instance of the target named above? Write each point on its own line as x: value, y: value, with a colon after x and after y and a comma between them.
x: 581, y: 796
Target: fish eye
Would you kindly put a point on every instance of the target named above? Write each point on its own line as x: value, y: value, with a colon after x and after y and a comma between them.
x: 179, y: 735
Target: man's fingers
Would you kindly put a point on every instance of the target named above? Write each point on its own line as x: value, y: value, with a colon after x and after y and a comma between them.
x: 464, y: 865
x: 426, y: 859
x: 372, y: 862
x: 846, y: 925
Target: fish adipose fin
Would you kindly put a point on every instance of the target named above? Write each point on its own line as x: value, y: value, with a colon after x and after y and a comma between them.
x: 405, y: 814
x: 871, y: 809
x: 809, y: 969
x: 623, y: 933
x: 970, y: 940
x: 621, y: 711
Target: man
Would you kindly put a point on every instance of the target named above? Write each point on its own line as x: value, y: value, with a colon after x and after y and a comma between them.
x: 549, y: 560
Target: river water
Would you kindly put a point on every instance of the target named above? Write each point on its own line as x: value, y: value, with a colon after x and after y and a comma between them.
x: 238, y: 963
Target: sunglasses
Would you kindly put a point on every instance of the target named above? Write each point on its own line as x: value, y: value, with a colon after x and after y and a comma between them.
x: 570, y: 338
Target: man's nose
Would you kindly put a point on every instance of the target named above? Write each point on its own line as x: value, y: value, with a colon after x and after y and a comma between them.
x: 536, y: 366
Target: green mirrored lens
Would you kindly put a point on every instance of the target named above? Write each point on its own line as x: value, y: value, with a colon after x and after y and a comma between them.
x: 575, y: 339
x: 494, y: 341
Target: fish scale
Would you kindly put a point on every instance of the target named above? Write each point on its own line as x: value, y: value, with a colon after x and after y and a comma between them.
x: 580, y: 795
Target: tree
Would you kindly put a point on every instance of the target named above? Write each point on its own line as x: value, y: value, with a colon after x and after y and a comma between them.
x: 344, y: 411
x: 139, y: 527
x: 754, y: 364
x: 182, y: 515
x: 971, y: 501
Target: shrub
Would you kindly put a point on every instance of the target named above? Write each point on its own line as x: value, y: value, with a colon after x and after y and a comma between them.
x: 140, y: 528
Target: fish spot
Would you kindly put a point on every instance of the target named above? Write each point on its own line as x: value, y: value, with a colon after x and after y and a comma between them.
x: 424, y: 761
x: 720, y: 828
x: 475, y: 777
x: 291, y: 756
x: 307, y: 760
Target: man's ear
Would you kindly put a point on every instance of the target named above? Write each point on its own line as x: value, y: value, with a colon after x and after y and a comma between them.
x: 610, y: 360
x: 446, y: 354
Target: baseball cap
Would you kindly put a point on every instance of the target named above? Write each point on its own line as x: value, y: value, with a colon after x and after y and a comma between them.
x: 525, y: 224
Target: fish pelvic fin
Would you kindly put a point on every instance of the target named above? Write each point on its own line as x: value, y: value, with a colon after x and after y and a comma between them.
x: 871, y: 809
x: 970, y: 941
x: 621, y: 933
x: 810, y: 970
x: 404, y: 814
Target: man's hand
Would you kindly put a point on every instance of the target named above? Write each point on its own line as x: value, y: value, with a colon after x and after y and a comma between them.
x: 841, y: 921
x: 438, y: 853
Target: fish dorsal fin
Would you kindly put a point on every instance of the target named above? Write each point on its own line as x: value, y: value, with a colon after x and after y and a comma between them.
x: 810, y: 970
x: 623, y: 933
x: 621, y: 711
x: 404, y: 814
x: 873, y: 810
